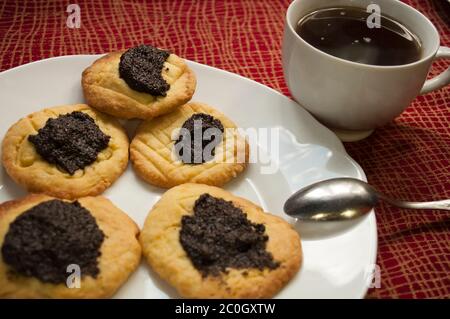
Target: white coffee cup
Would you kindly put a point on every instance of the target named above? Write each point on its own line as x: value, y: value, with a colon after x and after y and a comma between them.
x: 354, y: 98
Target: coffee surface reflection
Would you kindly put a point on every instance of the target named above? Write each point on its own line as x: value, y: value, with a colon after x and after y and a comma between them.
x: 344, y: 33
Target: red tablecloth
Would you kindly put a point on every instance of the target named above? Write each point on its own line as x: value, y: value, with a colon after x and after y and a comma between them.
x: 408, y: 158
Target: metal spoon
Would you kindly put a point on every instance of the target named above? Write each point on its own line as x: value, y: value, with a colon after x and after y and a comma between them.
x: 344, y: 199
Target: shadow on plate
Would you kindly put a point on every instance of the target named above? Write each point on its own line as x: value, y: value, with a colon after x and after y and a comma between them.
x: 162, y: 285
x: 130, y: 127
x: 8, y: 188
x: 324, y: 230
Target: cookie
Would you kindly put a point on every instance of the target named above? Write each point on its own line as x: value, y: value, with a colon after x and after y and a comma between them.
x: 58, y: 249
x: 154, y: 151
x: 143, y: 82
x: 208, y: 243
x: 78, y: 152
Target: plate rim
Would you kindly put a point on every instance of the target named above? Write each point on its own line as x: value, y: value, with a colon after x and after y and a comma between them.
x: 336, y: 143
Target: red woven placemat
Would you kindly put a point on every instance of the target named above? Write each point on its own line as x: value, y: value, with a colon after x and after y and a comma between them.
x: 408, y: 158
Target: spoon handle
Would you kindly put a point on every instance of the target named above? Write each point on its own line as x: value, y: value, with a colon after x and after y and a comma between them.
x: 440, y: 204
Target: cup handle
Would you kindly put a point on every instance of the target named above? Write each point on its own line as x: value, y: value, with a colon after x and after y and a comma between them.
x: 442, y: 79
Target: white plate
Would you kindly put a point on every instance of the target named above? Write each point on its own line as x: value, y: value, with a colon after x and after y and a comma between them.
x: 335, y: 265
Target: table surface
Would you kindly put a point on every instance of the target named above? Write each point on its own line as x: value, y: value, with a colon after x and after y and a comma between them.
x: 409, y: 158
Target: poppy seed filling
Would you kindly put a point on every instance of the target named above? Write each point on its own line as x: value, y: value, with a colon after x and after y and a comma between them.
x: 140, y: 67
x: 197, y: 133
x: 219, y: 236
x: 70, y: 141
x: 44, y: 240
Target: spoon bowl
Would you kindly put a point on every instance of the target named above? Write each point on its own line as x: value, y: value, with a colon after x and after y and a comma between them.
x: 334, y: 199
x: 344, y: 199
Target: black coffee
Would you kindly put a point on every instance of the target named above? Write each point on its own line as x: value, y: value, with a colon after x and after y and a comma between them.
x: 344, y: 33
